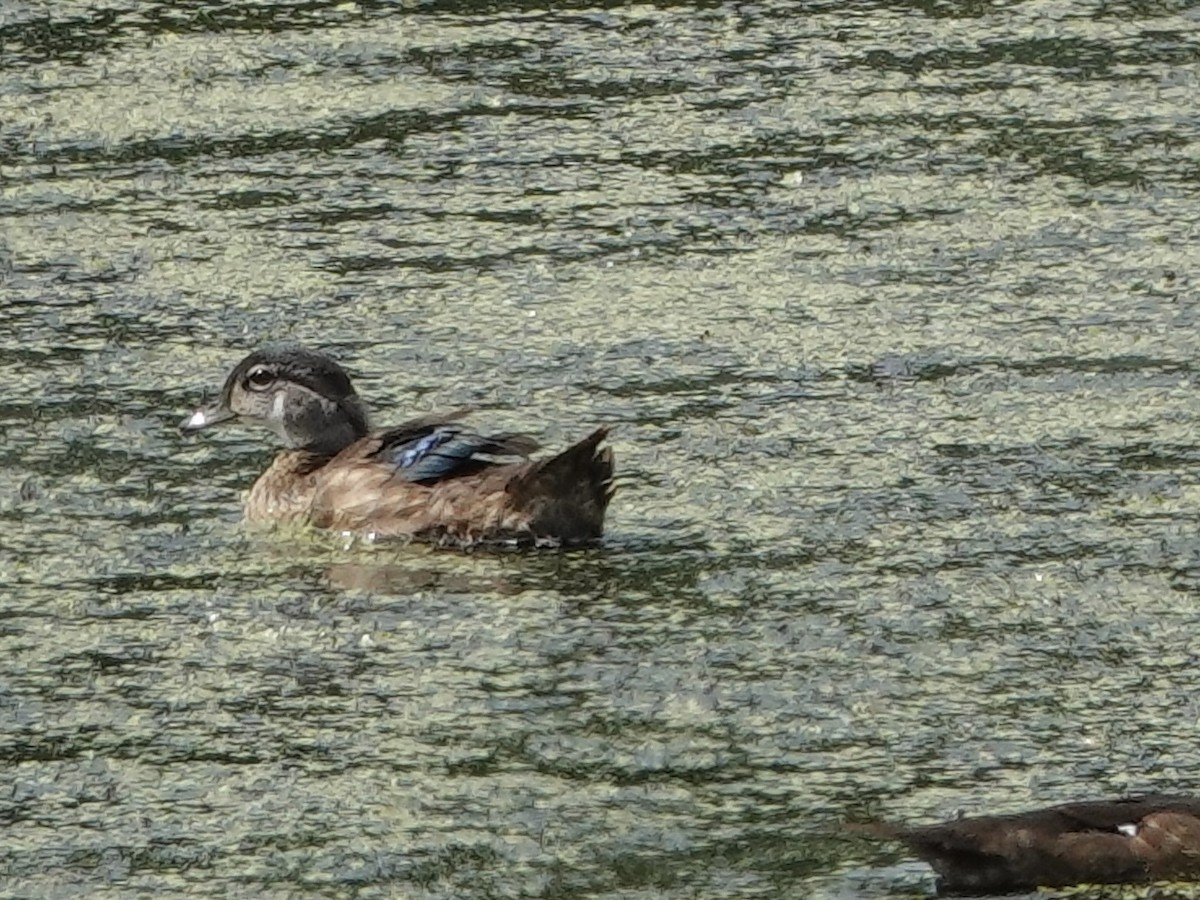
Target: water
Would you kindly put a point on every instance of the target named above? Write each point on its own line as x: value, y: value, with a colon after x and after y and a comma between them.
x: 890, y: 308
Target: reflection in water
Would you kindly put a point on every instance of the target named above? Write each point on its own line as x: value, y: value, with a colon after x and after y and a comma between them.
x: 403, y: 579
x: 887, y: 305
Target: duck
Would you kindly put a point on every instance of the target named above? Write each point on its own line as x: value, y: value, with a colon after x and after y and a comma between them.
x: 430, y: 479
x: 1131, y: 840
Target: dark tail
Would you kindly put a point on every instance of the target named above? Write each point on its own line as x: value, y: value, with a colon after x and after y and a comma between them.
x: 566, y: 495
x: 930, y: 843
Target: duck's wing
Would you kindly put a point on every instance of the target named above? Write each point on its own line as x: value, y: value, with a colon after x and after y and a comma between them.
x: 430, y: 449
x: 1117, y: 815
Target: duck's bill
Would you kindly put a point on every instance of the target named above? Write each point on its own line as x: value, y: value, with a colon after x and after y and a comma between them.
x: 202, y: 418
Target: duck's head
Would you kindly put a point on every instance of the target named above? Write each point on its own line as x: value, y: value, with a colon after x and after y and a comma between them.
x: 303, y: 396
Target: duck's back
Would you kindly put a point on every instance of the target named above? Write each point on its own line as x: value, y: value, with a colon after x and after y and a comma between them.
x: 452, y: 486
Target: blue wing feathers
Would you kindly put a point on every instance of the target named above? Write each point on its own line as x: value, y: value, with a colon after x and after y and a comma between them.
x: 407, y: 455
x: 433, y: 452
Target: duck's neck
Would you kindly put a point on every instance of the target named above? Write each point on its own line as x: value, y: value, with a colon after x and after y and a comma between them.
x: 330, y: 441
x: 324, y: 427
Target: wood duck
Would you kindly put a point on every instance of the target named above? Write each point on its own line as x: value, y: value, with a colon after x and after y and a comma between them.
x: 429, y: 479
x: 1127, y: 841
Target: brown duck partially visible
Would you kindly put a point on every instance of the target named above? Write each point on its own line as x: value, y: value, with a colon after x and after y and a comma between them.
x: 430, y: 478
x: 1128, y: 841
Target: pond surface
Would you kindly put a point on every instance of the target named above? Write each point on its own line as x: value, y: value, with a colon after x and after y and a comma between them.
x: 890, y: 308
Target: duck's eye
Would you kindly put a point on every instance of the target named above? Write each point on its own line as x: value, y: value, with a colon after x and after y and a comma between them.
x: 260, y: 379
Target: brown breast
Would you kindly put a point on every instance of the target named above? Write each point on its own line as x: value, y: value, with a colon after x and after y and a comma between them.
x: 285, y: 491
